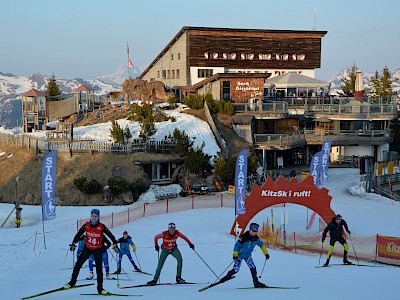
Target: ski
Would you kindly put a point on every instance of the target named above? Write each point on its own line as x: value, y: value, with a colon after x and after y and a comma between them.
x: 57, y: 290
x: 354, y: 265
x: 143, y: 272
x: 270, y: 287
x: 112, y: 294
x: 214, y: 284
x: 164, y: 283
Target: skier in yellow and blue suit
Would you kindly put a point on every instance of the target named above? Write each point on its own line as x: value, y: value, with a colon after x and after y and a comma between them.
x: 242, y: 251
x: 125, y: 241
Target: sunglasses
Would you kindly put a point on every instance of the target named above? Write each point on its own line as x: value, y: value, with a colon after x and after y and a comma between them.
x: 254, y: 230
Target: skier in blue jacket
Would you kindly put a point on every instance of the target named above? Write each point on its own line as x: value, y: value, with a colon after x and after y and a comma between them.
x: 242, y: 251
x: 107, y: 245
x: 125, y: 241
x: 81, y: 245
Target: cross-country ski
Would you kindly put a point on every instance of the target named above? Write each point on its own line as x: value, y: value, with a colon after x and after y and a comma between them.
x: 63, y: 288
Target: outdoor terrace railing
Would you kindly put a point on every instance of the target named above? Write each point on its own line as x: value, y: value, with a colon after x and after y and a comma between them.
x: 276, y: 107
x: 282, y: 140
x: 363, y: 111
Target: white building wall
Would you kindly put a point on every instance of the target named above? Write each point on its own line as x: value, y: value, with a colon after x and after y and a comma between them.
x: 194, y: 73
x: 173, y: 59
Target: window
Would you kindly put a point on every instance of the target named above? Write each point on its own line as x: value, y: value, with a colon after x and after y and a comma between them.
x: 246, y: 56
x: 177, y: 74
x: 164, y: 74
x: 204, y: 73
x: 158, y: 74
x: 179, y: 56
x: 173, y: 74
x: 226, y: 90
x: 172, y: 57
x: 168, y: 74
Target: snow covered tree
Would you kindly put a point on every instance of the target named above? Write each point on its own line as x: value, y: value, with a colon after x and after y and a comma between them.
x: 348, y: 83
x: 52, y: 88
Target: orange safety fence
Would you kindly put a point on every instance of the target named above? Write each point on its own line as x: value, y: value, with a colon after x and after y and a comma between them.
x: 130, y: 214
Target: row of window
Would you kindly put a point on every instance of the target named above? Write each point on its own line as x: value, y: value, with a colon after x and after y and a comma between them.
x: 204, y: 73
x: 252, y: 56
x: 169, y: 74
x: 178, y: 55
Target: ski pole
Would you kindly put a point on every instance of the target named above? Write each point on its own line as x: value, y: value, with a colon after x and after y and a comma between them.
x: 354, y: 249
x: 117, y: 264
x: 158, y: 261
x: 262, y: 271
x: 320, y: 255
x: 73, y: 258
x: 137, y: 260
x: 225, y: 270
x: 65, y: 258
x: 206, y: 263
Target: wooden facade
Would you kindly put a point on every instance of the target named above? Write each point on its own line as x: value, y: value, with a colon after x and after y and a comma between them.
x: 256, y: 42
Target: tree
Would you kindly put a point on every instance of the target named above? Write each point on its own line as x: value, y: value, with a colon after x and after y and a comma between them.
x: 148, y: 128
x: 52, y: 88
x: 117, y: 133
x: 376, y: 84
x: 348, y: 83
x: 386, y: 83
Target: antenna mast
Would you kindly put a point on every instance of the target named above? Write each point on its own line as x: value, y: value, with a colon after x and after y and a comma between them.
x: 315, y: 15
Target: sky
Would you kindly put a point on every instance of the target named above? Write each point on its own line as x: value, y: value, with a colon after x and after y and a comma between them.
x: 85, y: 38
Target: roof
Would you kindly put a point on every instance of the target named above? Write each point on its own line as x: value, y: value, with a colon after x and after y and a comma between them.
x: 230, y: 75
x: 188, y: 28
x: 82, y: 88
x: 34, y: 93
x: 295, y: 80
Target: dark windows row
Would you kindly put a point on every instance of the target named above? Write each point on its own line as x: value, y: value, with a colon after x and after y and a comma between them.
x: 204, y: 73
x: 169, y: 74
x: 252, y: 56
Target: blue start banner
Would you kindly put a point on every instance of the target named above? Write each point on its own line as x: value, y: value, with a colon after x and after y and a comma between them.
x: 241, y: 183
x: 49, y: 186
x: 326, y: 150
x: 315, y: 167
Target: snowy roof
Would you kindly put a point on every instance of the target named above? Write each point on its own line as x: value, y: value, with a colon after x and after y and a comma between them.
x: 295, y: 80
x: 33, y: 93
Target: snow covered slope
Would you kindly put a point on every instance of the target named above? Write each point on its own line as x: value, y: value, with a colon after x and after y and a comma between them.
x: 25, y: 272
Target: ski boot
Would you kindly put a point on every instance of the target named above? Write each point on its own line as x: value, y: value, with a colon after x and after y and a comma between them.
x: 67, y: 286
x: 104, y: 292
x: 137, y: 269
x: 347, y: 262
x: 118, y: 271
x: 180, y: 280
x: 152, y: 282
x: 256, y: 283
x: 228, y: 276
x: 90, y: 276
x: 326, y: 263
x: 108, y: 276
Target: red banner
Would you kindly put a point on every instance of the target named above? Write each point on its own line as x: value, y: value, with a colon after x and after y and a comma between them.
x: 388, y: 248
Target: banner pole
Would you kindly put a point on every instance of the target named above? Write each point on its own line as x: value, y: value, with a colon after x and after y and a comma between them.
x: 44, y: 235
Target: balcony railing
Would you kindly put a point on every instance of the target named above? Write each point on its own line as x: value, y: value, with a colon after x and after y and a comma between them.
x: 283, y: 141
x: 343, y: 137
x: 276, y: 107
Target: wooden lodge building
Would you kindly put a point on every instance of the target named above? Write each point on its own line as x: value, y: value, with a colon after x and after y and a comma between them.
x: 280, y: 108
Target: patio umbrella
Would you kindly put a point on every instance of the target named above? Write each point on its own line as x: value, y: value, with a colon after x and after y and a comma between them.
x: 359, y: 87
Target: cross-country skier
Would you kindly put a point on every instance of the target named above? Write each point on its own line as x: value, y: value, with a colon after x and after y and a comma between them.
x: 104, y: 255
x: 168, y: 247
x: 81, y: 245
x: 335, y: 228
x: 94, y: 232
x: 124, y: 242
x: 242, y: 251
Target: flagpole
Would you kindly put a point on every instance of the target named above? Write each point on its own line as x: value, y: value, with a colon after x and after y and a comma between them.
x: 44, y: 235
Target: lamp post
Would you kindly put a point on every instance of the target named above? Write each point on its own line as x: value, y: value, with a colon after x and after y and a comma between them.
x: 16, y: 188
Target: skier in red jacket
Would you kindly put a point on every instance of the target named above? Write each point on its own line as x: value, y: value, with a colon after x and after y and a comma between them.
x: 168, y: 247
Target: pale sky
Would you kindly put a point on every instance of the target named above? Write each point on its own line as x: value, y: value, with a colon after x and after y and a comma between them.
x: 83, y: 38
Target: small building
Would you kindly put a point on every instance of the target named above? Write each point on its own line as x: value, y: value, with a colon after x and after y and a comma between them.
x: 84, y: 97
x: 34, y: 110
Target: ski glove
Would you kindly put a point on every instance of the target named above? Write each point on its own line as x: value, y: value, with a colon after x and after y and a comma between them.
x: 157, y: 248
x: 133, y: 247
x: 323, y: 239
x: 72, y: 247
x: 191, y: 246
x: 267, y: 256
x: 235, y: 258
x: 116, y: 248
x: 349, y: 232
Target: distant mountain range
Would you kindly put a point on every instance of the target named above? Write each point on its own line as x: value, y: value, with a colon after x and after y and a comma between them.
x: 13, y: 86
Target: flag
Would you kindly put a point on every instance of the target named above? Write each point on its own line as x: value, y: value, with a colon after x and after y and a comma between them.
x: 241, y: 183
x: 326, y: 150
x: 49, y: 186
x: 130, y: 64
x: 127, y: 48
x: 315, y: 167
